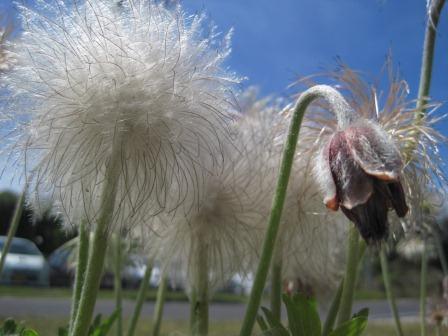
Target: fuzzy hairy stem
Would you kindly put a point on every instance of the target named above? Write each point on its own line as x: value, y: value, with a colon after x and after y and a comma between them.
x: 306, y: 98
x: 438, y: 329
x: 81, y: 265
x: 99, y: 244
x: 351, y: 271
x: 428, y: 57
x: 441, y: 253
x: 333, y: 311
x: 423, y: 280
x: 199, y: 300
x: 118, y: 262
x: 141, y: 296
x: 389, y: 292
x: 13, y: 226
x: 160, y: 301
x: 425, y: 71
x: 276, y: 289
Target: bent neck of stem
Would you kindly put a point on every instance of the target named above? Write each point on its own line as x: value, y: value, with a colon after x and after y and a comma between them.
x: 345, y: 116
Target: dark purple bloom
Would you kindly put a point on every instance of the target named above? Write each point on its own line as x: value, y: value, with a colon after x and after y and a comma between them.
x: 359, y: 170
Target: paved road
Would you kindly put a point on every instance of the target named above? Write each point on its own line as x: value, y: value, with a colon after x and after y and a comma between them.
x: 60, y: 307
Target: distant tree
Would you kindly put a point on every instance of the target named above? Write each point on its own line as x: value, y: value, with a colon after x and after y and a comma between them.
x: 43, y: 227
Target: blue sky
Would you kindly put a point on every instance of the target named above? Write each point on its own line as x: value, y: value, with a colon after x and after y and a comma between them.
x: 276, y: 41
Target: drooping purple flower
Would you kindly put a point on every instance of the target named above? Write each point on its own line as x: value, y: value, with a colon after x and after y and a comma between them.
x: 360, y: 172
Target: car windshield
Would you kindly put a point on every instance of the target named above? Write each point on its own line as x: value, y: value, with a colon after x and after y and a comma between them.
x: 21, y: 247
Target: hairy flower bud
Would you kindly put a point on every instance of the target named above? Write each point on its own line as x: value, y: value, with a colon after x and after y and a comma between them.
x: 363, y: 170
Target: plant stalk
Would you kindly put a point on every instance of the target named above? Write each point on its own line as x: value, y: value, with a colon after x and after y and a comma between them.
x: 199, y: 300
x: 428, y: 57
x: 141, y: 296
x: 389, y: 292
x: 439, y: 329
x: 118, y: 263
x: 351, y: 271
x: 333, y: 311
x: 305, y: 99
x: 98, y: 244
x: 276, y: 289
x: 441, y: 253
x: 423, y: 280
x: 160, y: 301
x: 81, y: 265
x: 13, y: 226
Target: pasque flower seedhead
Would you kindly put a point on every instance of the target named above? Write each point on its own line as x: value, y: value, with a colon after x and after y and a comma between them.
x: 92, y: 72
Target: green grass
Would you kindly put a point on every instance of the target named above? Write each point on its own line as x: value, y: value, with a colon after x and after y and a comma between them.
x: 48, y: 327
x: 18, y: 291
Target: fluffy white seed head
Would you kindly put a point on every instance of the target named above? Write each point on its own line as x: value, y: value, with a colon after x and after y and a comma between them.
x: 236, y: 203
x: 91, y: 73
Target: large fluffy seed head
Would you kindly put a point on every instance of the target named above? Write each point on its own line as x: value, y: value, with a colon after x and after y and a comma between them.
x: 91, y: 73
x: 393, y: 116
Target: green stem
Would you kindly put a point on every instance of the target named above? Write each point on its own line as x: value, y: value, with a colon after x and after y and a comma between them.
x: 351, y: 271
x: 423, y: 278
x: 389, y: 292
x: 81, y: 265
x: 158, y: 312
x: 439, y: 329
x: 441, y: 253
x: 333, y: 311
x: 276, y: 289
x: 13, y: 226
x: 98, y: 245
x: 428, y: 57
x: 199, y: 293
x: 118, y: 263
x: 342, y: 111
x: 141, y: 296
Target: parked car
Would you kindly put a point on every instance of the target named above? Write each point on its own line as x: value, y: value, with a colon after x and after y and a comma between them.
x: 239, y: 284
x: 24, y: 264
x: 62, y: 269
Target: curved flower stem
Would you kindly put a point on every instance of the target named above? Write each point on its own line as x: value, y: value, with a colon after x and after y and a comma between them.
x: 351, y: 271
x: 340, y: 107
x: 118, y: 262
x: 81, y: 265
x: 13, y: 226
x: 199, y: 293
x: 435, y: 9
x: 98, y: 245
x: 389, y: 292
x: 276, y: 288
x: 423, y: 278
x: 160, y: 301
x: 141, y: 296
x: 333, y: 311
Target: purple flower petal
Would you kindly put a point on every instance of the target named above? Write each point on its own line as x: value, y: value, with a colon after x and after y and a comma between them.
x: 374, y: 152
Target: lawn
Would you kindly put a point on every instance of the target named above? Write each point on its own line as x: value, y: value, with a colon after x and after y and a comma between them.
x: 19, y: 291
x: 48, y: 327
